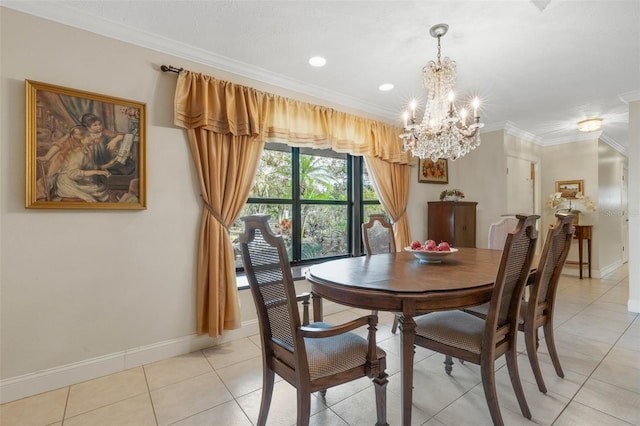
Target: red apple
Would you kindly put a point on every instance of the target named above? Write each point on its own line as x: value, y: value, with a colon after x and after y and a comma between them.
x: 415, y: 245
x: 430, y: 245
x: 444, y: 246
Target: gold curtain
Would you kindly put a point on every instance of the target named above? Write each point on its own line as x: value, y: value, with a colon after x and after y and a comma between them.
x: 223, y: 127
x: 392, y: 181
x: 227, y: 125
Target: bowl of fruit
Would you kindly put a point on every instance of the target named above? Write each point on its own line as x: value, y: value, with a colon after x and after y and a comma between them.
x: 430, y: 251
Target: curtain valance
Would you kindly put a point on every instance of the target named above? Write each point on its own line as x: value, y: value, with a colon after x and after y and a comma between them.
x: 219, y: 106
x: 224, y: 107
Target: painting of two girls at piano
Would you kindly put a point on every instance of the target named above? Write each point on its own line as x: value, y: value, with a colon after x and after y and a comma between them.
x: 87, y: 150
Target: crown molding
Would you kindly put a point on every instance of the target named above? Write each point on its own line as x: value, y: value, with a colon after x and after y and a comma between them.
x: 59, y: 12
x: 615, y: 145
x: 629, y: 97
x: 574, y: 138
x: 511, y: 129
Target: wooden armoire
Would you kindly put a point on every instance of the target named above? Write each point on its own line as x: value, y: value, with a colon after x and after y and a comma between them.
x: 453, y: 222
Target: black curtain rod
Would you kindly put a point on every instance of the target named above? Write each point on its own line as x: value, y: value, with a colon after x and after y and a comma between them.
x: 170, y: 68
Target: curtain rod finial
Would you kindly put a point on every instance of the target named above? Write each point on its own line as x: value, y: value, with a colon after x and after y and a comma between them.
x: 170, y: 68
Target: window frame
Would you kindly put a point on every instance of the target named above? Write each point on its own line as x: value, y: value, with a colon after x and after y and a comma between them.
x: 355, y: 203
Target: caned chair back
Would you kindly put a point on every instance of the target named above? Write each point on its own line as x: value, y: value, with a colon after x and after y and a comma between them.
x: 377, y: 235
x: 515, y: 266
x: 554, y: 254
x: 268, y: 271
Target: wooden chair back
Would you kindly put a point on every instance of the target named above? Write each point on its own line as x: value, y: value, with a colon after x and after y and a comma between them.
x: 268, y: 271
x: 377, y: 235
x: 513, y: 272
x: 537, y: 310
x: 554, y: 254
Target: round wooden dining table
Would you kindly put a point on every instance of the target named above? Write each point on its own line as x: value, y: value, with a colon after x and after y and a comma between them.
x: 400, y: 283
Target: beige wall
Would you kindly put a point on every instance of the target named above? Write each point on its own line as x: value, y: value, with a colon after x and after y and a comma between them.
x: 610, y: 163
x: 87, y: 293
x: 572, y: 161
x: 481, y: 176
x: 83, y: 284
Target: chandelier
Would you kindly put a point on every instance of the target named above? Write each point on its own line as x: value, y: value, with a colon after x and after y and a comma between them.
x: 443, y: 132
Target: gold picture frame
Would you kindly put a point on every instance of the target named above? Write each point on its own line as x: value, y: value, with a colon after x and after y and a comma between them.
x: 570, y: 188
x: 84, y: 150
x: 433, y: 171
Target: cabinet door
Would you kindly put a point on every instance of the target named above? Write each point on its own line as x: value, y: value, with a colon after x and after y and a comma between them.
x: 440, y: 222
x: 465, y: 226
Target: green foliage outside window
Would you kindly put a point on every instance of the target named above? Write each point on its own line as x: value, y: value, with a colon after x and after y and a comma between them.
x: 323, y: 204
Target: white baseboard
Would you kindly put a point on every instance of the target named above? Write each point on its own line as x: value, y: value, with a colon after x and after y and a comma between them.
x: 633, y: 306
x: 30, y: 384
x: 574, y: 271
x: 610, y: 268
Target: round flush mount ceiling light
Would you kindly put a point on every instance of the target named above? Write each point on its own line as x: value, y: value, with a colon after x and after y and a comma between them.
x: 590, y: 125
x: 385, y: 87
x: 317, y: 61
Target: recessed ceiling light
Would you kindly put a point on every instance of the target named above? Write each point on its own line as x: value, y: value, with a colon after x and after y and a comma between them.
x: 317, y: 61
x: 590, y: 125
x: 385, y: 87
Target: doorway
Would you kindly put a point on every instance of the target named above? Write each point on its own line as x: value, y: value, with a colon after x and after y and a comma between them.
x: 521, y: 178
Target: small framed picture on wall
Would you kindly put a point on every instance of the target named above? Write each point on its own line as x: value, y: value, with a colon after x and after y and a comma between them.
x: 84, y: 150
x: 430, y: 171
x: 570, y: 188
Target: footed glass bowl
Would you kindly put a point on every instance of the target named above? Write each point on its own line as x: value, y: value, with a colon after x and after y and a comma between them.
x: 431, y: 256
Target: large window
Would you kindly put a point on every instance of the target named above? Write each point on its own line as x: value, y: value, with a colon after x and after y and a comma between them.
x: 314, y: 198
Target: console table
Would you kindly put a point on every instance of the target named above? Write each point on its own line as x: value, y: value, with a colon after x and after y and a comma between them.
x: 583, y: 232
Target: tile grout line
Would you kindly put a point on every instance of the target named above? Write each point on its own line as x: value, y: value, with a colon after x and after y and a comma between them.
x: 599, y: 362
x: 153, y: 407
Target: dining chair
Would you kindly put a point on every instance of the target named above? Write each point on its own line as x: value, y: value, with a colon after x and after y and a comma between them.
x: 537, y: 310
x: 498, y: 231
x: 311, y: 358
x: 377, y: 235
x: 481, y: 341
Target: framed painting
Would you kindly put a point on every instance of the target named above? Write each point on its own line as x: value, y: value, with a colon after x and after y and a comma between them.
x: 84, y: 150
x: 569, y: 188
x: 430, y: 171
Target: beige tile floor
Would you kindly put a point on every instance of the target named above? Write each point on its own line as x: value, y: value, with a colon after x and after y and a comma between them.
x: 598, y: 342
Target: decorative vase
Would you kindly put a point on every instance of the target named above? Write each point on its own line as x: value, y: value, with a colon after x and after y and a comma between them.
x: 451, y: 198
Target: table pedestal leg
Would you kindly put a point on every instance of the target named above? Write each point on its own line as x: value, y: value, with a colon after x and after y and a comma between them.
x: 408, y: 329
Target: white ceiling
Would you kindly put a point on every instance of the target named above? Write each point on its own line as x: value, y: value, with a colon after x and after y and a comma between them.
x: 538, y: 66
